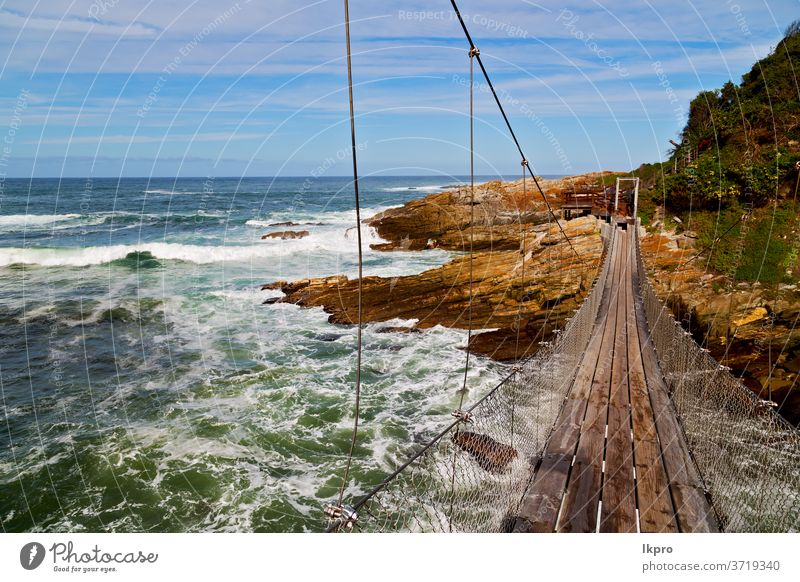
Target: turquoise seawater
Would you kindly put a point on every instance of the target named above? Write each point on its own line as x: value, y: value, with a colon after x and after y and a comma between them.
x: 146, y: 388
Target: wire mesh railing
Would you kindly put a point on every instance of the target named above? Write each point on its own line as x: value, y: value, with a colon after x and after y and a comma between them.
x: 747, y: 454
x: 473, y: 475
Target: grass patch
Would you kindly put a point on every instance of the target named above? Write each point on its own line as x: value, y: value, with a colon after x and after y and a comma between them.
x: 762, y: 253
x: 768, y: 247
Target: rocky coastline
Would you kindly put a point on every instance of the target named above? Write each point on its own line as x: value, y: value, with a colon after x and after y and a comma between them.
x: 526, y: 282
x: 748, y: 326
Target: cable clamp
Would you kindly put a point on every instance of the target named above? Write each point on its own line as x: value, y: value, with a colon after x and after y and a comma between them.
x: 765, y: 405
x: 516, y: 369
x: 344, y: 515
x: 524, y: 163
x: 462, y: 415
x: 474, y: 52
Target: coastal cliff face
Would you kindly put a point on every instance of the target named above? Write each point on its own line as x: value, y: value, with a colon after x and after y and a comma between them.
x: 526, y: 280
x: 750, y: 327
x: 444, y: 220
x: 518, y: 303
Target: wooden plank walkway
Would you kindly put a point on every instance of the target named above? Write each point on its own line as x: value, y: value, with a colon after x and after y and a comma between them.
x: 617, y: 460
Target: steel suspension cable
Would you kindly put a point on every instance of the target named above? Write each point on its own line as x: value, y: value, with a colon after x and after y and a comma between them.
x: 360, y: 253
x: 524, y: 164
x: 347, y: 515
x: 508, y: 123
x: 473, y: 52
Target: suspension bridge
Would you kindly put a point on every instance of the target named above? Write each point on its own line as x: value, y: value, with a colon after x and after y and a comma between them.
x: 615, y: 460
x: 622, y: 423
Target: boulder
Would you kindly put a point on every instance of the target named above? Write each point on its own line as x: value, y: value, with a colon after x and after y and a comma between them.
x: 489, y: 454
x: 286, y: 234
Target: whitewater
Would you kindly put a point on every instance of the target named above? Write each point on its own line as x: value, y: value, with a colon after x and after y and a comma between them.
x: 147, y: 388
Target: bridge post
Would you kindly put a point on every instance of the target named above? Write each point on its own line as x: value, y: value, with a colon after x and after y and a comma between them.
x: 616, y: 198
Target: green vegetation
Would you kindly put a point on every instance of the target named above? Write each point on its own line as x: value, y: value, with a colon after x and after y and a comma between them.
x: 741, y: 141
x: 736, y: 157
x: 762, y: 249
x: 772, y: 245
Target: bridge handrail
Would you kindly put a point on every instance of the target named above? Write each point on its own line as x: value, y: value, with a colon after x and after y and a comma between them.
x: 747, y: 454
x: 593, y: 196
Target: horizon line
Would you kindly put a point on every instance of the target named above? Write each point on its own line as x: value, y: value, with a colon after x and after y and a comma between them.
x: 111, y: 177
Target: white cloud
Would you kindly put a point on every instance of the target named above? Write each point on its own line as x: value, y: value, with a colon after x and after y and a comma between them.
x: 22, y: 23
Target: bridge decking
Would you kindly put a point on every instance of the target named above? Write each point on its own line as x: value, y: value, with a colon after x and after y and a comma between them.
x: 617, y: 460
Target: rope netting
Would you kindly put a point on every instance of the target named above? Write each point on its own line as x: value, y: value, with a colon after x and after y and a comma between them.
x: 473, y: 475
x: 748, y: 455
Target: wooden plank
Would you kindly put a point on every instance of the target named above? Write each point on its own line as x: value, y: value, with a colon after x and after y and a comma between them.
x: 667, y: 486
x: 579, y: 508
x: 656, y: 511
x: 618, y: 512
x: 540, y: 507
x: 542, y: 501
x: 605, y: 300
x: 693, y: 511
x: 539, y: 510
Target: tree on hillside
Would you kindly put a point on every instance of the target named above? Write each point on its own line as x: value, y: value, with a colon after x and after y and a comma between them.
x: 792, y: 29
x: 741, y: 142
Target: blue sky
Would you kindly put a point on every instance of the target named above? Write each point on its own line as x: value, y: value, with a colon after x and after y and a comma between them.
x: 221, y: 88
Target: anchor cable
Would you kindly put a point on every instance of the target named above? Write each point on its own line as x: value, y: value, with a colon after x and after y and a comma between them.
x: 473, y: 52
x: 508, y: 123
x: 360, y: 253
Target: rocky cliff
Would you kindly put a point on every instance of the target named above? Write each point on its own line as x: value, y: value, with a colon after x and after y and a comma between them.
x: 526, y: 280
x: 749, y: 326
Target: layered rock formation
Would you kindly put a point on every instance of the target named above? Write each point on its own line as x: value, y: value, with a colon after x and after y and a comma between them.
x: 516, y: 304
x: 525, y: 278
x: 753, y: 328
x: 286, y: 234
x: 445, y: 220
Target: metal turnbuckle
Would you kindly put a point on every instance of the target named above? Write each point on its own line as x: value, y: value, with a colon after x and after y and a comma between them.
x: 766, y: 405
x: 462, y: 415
x: 343, y: 515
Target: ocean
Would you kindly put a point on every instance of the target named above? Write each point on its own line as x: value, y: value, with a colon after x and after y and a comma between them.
x: 145, y: 388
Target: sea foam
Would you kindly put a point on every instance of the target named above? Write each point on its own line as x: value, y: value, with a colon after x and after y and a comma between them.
x: 199, y: 254
x: 22, y: 221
